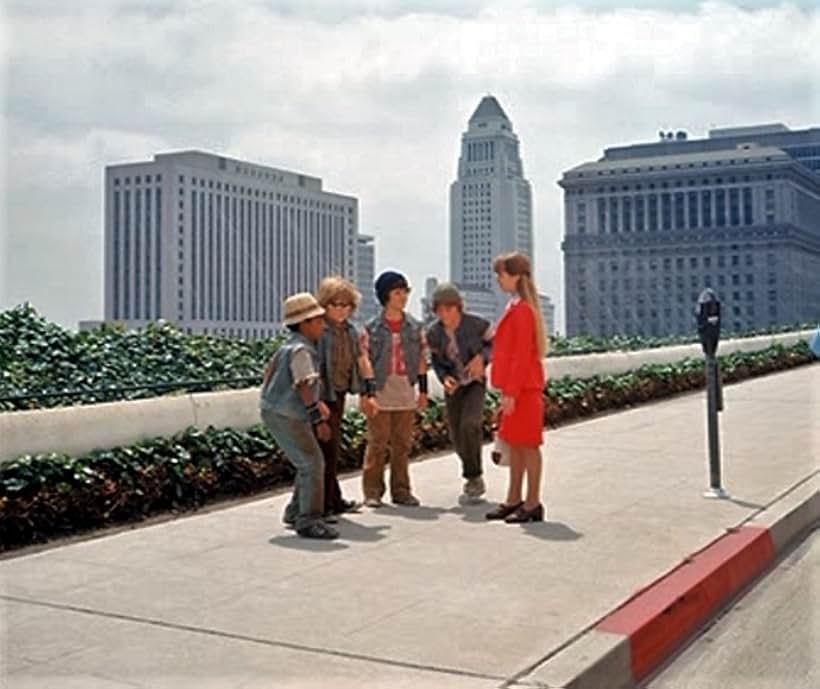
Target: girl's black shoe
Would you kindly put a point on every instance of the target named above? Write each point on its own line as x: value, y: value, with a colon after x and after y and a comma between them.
x: 503, y: 511
x: 522, y: 516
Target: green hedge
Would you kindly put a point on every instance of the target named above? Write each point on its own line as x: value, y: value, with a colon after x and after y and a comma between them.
x: 41, y: 358
x: 54, y: 495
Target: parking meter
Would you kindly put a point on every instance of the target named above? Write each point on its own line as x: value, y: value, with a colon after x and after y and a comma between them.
x: 708, y: 315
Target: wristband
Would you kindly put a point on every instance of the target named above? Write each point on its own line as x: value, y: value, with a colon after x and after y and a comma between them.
x: 370, y: 387
x: 422, y: 383
x: 314, y: 414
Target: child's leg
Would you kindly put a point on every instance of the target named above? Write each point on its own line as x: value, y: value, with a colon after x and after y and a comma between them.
x: 297, y: 441
x: 471, y: 429
x: 401, y: 443
x: 330, y: 450
x: 378, y: 433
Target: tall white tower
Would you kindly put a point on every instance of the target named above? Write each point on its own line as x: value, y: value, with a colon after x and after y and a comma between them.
x: 490, y: 205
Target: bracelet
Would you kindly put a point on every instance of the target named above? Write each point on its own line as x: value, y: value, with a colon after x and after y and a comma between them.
x: 314, y: 414
x: 423, y: 383
x: 369, y: 387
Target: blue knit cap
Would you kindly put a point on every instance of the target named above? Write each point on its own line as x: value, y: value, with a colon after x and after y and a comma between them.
x: 387, y: 281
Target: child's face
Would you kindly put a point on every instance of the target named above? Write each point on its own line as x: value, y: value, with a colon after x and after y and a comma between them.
x: 508, y: 283
x: 397, y: 299
x: 312, y: 328
x: 339, y: 309
x: 448, y: 314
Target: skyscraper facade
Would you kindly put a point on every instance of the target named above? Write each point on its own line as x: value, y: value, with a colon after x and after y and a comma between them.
x: 215, y: 244
x: 366, y: 277
x: 648, y: 226
x: 490, y: 206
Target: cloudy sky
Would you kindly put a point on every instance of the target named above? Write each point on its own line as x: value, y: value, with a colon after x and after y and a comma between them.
x: 370, y: 95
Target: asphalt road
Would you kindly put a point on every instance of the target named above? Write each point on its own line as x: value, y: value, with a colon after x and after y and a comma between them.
x: 770, y: 638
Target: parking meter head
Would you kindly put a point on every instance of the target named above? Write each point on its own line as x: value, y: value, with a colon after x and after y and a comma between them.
x: 708, y: 315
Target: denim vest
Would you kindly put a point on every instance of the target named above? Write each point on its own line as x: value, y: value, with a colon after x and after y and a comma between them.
x: 381, y: 341
x: 325, y: 348
x: 278, y: 394
x: 469, y: 340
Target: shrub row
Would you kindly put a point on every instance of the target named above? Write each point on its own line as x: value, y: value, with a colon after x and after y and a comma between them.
x: 54, y: 495
x: 44, y: 365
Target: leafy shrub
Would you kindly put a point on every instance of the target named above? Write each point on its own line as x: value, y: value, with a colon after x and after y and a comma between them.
x: 52, y: 495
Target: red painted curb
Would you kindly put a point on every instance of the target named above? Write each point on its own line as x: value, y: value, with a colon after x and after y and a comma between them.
x: 661, y: 617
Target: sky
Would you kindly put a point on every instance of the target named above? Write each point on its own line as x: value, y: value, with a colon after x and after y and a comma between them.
x: 370, y: 96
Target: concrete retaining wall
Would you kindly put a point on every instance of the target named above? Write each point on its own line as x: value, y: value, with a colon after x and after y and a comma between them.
x: 80, y: 429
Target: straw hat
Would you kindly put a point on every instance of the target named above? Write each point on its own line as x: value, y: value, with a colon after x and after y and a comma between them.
x: 300, y: 307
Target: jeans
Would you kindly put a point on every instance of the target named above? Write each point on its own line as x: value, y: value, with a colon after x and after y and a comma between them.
x: 465, y: 417
x: 298, y: 442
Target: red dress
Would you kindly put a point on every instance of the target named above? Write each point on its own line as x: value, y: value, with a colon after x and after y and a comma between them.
x: 518, y: 372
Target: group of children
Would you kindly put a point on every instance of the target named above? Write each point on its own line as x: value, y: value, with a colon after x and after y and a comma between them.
x: 325, y: 359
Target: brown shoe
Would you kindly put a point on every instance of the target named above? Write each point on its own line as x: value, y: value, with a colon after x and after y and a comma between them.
x: 503, y: 511
x: 408, y: 500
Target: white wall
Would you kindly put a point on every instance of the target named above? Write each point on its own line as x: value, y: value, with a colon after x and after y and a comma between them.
x: 80, y: 429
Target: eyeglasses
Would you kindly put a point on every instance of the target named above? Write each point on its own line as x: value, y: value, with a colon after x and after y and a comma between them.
x: 341, y: 304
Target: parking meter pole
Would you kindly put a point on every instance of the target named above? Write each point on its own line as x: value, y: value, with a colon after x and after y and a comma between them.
x: 708, y: 318
x: 712, y: 408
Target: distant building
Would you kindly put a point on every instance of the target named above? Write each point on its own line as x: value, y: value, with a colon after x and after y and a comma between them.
x: 215, y: 244
x: 490, y: 206
x: 366, y: 277
x: 648, y: 226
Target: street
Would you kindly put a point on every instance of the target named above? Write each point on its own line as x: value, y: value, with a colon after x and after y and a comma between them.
x: 769, y: 639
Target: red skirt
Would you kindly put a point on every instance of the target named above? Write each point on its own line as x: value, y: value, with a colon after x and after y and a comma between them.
x: 525, y: 426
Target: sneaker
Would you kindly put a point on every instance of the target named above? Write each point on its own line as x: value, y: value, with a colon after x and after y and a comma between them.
x: 408, y: 500
x: 373, y: 502
x: 319, y: 530
x: 350, y: 506
x: 474, y: 488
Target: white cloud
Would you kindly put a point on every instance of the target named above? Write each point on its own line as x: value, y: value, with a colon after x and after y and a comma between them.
x: 374, y: 100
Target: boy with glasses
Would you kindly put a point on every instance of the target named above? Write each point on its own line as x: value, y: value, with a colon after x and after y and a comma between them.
x: 343, y: 370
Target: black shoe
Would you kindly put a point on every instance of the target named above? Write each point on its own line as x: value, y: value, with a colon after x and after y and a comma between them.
x: 350, y: 506
x: 503, y: 511
x: 522, y: 516
x: 318, y: 530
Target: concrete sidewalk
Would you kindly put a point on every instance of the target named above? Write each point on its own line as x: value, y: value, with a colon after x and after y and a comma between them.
x: 426, y: 597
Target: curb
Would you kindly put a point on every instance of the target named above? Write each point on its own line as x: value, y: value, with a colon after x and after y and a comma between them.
x: 633, y: 641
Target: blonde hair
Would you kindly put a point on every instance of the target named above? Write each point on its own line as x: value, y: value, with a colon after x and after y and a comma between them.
x: 518, y: 265
x: 335, y: 287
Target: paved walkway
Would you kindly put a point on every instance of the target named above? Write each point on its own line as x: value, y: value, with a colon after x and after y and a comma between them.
x: 425, y: 597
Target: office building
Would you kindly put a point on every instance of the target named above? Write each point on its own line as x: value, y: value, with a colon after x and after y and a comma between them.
x: 648, y: 226
x: 490, y: 206
x: 365, y: 278
x: 215, y: 244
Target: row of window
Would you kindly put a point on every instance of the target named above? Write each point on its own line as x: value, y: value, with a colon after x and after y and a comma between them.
x: 666, y: 211
x: 140, y: 298
x: 677, y: 184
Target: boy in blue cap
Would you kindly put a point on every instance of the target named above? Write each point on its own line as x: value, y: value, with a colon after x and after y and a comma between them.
x: 396, y: 347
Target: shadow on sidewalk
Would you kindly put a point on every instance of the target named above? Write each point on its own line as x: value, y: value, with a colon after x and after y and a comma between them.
x: 354, y: 531
x: 551, y: 531
x: 472, y: 513
x: 422, y: 512
x: 296, y: 542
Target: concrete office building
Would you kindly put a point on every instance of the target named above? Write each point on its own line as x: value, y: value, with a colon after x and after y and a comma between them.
x: 649, y: 226
x: 215, y: 244
x: 490, y: 206
x: 366, y: 277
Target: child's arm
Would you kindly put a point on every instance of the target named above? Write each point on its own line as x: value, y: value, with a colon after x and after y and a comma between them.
x: 425, y: 352
x: 367, y: 399
x: 304, y: 377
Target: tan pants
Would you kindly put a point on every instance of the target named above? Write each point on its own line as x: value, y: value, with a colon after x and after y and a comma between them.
x: 393, y: 429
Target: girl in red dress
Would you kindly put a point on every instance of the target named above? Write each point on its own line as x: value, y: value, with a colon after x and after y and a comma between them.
x: 519, y: 347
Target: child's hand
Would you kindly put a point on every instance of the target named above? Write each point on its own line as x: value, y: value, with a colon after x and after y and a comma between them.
x: 323, y: 431
x: 368, y: 406
x: 324, y: 410
x: 422, y: 401
x: 475, y: 367
x: 450, y: 385
x: 507, y: 404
